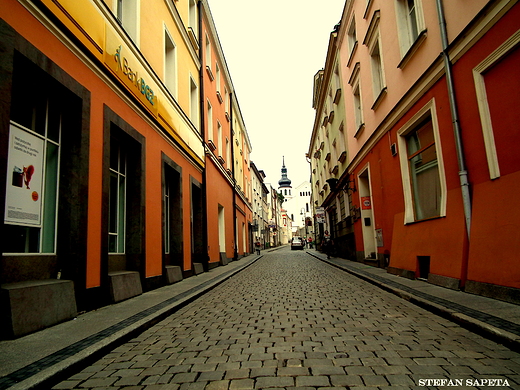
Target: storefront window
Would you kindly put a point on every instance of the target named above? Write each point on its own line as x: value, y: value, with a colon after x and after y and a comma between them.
x: 117, y: 203
x: 33, y: 175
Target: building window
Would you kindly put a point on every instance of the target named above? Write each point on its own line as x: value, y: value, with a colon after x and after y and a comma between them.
x: 194, y: 102
x: 378, y: 81
x: 128, y: 16
x: 210, y: 121
x: 193, y: 18
x: 208, y: 52
x: 219, y: 139
x: 351, y: 36
x: 217, y: 72
x: 167, y: 204
x: 117, y: 198
x: 170, y: 64
x: 423, y: 171
x: 33, y: 181
x: 358, y: 108
x: 410, y: 23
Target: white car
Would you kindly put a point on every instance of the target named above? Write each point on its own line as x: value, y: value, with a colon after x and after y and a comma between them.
x: 297, y: 243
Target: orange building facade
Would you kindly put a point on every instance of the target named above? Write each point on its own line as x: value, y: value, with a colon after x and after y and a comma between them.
x: 429, y: 132
x: 108, y: 184
x: 227, y: 148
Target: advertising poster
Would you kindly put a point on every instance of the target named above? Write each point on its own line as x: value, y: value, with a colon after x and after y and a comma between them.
x: 24, y: 178
x: 320, y: 215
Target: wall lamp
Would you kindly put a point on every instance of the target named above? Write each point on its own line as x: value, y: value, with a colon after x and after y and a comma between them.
x: 350, y: 186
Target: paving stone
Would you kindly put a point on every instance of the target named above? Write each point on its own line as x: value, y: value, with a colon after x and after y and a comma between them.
x: 312, y: 381
x: 292, y: 322
x: 346, y: 380
x: 267, y: 381
x: 262, y: 371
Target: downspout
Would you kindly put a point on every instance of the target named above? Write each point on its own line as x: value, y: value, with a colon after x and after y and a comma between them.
x: 235, y: 243
x: 203, y: 134
x: 463, y: 173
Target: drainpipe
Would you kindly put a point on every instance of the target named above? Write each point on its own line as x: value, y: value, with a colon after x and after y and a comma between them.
x: 463, y: 173
x: 235, y: 238
x: 203, y: 134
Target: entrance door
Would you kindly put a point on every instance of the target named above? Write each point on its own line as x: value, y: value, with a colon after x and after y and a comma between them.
x: 367, y: 215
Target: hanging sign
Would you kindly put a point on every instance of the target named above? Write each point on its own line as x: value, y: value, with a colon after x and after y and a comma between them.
x: 366, y: 204
x: 320, y: 215
x: 24, y: 178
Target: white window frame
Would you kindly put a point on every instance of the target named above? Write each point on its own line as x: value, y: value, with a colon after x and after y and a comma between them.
x: 427, y: 110
x: 210, y: 119
x: 129, y: 17
x: 351, y: 36
x: 404, y: 24
x: 377, y: 66
x: 483, y: 106
x: 120, y: 173
x: 194, y: 101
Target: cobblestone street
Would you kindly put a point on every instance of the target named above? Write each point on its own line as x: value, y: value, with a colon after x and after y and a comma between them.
x: 291, y: 321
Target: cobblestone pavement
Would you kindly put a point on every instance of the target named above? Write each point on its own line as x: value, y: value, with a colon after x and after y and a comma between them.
x: 290, y: 321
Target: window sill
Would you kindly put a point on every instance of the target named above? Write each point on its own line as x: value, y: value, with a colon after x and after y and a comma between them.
x: 413, y: 49
x: 379, y: 99
x: 359, y: 130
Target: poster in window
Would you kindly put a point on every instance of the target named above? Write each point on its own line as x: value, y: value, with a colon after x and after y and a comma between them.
x: 24, y: 178
x: 366, y: 204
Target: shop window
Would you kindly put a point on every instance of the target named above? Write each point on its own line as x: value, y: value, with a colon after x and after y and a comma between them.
x: 33, y: 174
x: 124, y: 203
x: 117, y: 198
x: 172, y: 212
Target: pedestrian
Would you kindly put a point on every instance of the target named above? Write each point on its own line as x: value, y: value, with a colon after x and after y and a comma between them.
x: 309, y: 240
x: 257, y: 245
x: 328, y: 244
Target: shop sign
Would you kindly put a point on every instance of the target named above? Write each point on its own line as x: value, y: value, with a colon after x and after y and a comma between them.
x: 24, y: 178
x: 366, y: 204
x: 128, y: 69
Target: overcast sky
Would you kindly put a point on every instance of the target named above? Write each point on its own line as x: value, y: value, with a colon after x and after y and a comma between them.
x: 273, y: 49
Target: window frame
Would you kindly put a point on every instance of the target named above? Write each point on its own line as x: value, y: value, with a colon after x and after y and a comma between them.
x: 428, y: 110
x: 170, y: 61
x: 480, y: 89
x: 404, y: 25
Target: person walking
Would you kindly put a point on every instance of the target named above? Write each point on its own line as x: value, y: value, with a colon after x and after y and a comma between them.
x: 329, y: 244
x: 257, y: 245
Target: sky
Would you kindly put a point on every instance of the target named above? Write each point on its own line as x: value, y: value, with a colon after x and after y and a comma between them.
x: 273, y: 49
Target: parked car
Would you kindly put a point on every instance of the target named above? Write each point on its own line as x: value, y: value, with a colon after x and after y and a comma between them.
x: 297, y: 243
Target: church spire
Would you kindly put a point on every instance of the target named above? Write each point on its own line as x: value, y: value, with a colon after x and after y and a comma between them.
x: 284, y: 182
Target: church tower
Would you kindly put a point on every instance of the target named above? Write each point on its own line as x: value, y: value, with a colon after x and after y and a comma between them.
x: 284, y: 184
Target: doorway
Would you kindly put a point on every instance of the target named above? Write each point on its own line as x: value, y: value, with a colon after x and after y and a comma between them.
x: 367, y: 215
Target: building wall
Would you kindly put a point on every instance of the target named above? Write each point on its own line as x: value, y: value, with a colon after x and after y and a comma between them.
x: 99, y: 106
x: 483, y: 42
